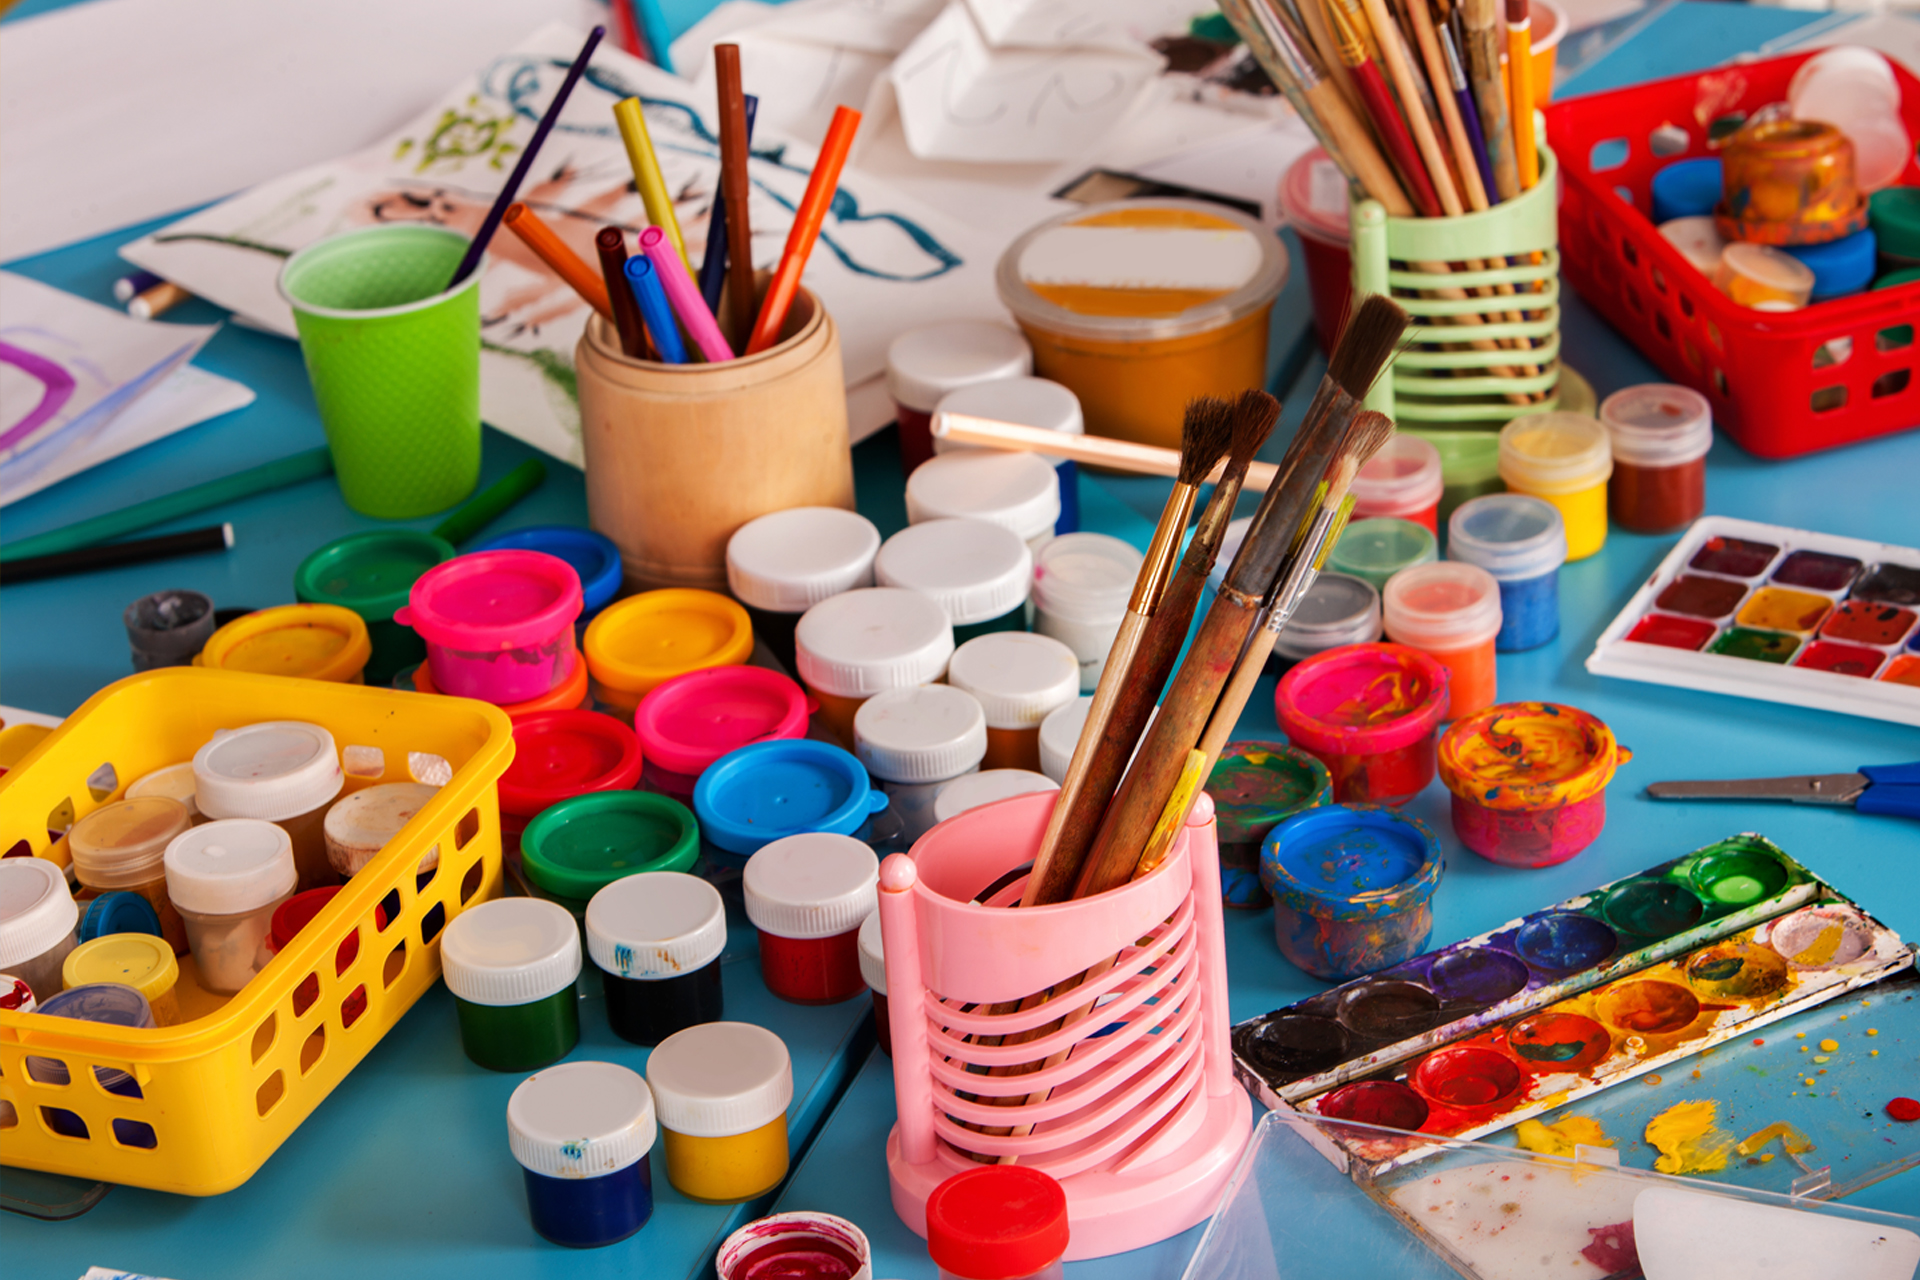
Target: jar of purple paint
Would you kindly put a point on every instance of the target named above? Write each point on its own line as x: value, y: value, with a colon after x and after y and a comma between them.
x: 1352, y: 889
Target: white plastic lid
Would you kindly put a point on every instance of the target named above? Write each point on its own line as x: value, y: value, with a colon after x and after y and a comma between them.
x: 1060, y: 734
x: 363, y: 822
x: 925, y: 364
x: 1018, y: 490
x: 870, y: 640
x: 1699, y: 241
x: 1031, y: 402
x: 1658, y: 424
x: 230, y: 866
x: 1866, y: 71
x: 974, y: 569
x: 1400, y: 480
x: 580, y: 1120
x: 789, y: 561
x: 1444, y: 605
x: 813, y: 885
x: 1554, y: 453
x: 657, y: 924
x: 928, y: 734
x: 175, y: 782
x: 1337, y: 609
x: 1229, y: 548
x: 1086, y: 577
x: 275, y: 769
x: 873, y: 957
x: 123, y: 844
x: 971, y: 790
x: 37, y: 910
x: 510, y: 951
x: 1018, y: 677
x: 720, y: 1079
x: 1510, y: 535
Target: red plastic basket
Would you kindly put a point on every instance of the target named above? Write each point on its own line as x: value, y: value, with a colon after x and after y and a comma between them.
x: 1781, y: 384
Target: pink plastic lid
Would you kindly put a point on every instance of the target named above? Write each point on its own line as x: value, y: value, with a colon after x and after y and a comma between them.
x: 686, y: 723
x: 1361, y: 699
x: 1314, y: 197
x: 493, y: 600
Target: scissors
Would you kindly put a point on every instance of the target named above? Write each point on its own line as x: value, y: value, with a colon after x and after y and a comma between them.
x: 1892, y: 789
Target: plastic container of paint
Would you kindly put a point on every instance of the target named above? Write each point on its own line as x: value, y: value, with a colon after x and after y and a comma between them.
x: 656, y: 938
x: 1017, y: 491
x: 979, y: 573
x: 1256, y: 786
x: 175, y: 782
x: 1081, y: 585
x: 1315, y: 201
x: 582, y: 844
x: 770, y: 790
x: 561, y: 754
x: 570, y: 694
x: 1402, y: 481
x: 1369, y: 713
x: 511, y: 965
x: 168, y: 628
x: 686, y: 723
x: 1375, y: 550
x: 371, y: 573
x: 915, y: 741
x: 1029, y: 402
x: 1699, y: 241
x: 498, y: 624
x: 1522, y: 542
x: 1018, y: 680
x: 1338, y: 609
x: 643, y: 641
x: 998, y: 1222
x: 594, y: 557
x: 123, y: 846
x: 309, y: 641
x: 1060, y: 734
x: 864, y: 642
x: 1763, y: 277
x: 580, y: 1133
x: 226, y: 877
x: 293, y: 916
x: 286, y: 772
x: 119, y: 912
x: 112, y: 1004
x: 928, y: 363
x: 1687, y: 189
x: 989, y: 786
x: 1450, y: 611
x: 359, y: 827
x: 1566, y: 459
x: 136, y: 960
x: 807, y: 895
x: 873, y: 971
x: 721, y: 1091
x: 1661, y: 434
x: 784, y: 563
x: 1529, y: 781
x: 39, y: 923
x: 1352, y: 889
x: 803, y: 1243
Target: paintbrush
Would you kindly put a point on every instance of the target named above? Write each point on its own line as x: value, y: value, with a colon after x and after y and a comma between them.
x: 1469, y: 113
x: 1480, y: 41
x: 1414, y: 100
x: 1348, y: 23
x: 1471, y: 183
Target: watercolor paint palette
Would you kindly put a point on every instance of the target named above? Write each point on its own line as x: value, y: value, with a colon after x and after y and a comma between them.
x: 1762, y: 611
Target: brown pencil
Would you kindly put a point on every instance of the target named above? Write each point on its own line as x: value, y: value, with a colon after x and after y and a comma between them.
x: 734, y: 184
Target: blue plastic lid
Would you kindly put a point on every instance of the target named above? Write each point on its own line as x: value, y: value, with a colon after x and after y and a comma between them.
x: 1350, y: 862
x: 119, y: 913
x: 1686, y: 189
x: 1840, y: 266
x: 768, y: 790
x: 592, y: 555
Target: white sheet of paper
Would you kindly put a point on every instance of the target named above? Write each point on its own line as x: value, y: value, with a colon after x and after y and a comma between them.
x: 876, y: 26
x: 1083, y: 24
x: 799, y: 83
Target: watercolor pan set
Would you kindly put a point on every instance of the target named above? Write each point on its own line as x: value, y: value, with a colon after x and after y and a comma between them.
x: 1763, y: 611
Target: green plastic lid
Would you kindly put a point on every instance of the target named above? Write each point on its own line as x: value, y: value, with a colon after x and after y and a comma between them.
x: 1894, y: 215
x: 369, y: 573
x: 579, y: 846
x: 1895, y: 279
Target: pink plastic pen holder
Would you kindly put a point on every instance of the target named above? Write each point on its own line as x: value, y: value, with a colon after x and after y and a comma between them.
x: 1139, y: 1118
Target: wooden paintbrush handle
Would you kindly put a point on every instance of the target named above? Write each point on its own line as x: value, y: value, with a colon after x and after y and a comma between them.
x: 1350, y: 134
x: 1436, y: 62
x: 1403, y: 81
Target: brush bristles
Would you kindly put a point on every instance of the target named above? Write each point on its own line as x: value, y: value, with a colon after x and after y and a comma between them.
x: 1205, y: 433
x: 1370, y: 339
x: 1254, y: 414
x: 1367, y: 436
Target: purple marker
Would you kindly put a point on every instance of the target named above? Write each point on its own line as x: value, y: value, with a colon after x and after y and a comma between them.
x: 129, y: 287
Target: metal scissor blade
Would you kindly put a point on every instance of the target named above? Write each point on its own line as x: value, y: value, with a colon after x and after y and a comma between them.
x: 1806, y: 788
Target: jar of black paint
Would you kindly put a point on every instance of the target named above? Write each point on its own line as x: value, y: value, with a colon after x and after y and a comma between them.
x: 657, y: 938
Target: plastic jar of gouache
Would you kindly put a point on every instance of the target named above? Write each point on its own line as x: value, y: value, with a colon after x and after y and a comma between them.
x: 915, y: 741
x: 570, y: 694
x: 1352, y: 889
x: 371, y: 574
x: 988, y: 786
x: 561, y: 754
x: 767, y: 791
x: 175, y: 782
x: 1522, y: 542
x: 873, y: 971
x: 1566, y: 459
x: 1661, y: 434
x: 1027, y: 402
x: 1763, y: 277
x: 1698, y: 240
x: 498, y: 624
x: 119, y: 912
x: 286, y: 772
x: 1017, y: 491
x: 226, y: 878
x: 932, y: 361
x: 864, y: 642
x: 645, y: 640
x: 1368, y: 712
x: 168, y: 628
x: 593, y: 555
x: 656, y: 938
x: 1450, y: 611
x: 123, y: 846
x: 1375, y: 550
x: 1255, y: 786
x: 511, y: 965
x: 1081, y: 585
x: 1000, y: 1222
x: 784, y: 563
x: 112, y: 1004
x: 1686, y: 188
x: 580, y: 1133
x: 806, y: 895
x: 1060, y: 734
x: 1018, y: 680
x: 136, y: 960
x: 686, y: 723
x: 1529, y: 781
x: 1338, y: 609
x: 580, y: 845
x: 39, y: 923
x: 358, y: 827
x: 1401, y: 481
x: 721, y: 1091
x: 980, y: 574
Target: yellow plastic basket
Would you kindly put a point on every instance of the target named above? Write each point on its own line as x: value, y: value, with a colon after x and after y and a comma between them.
x: 223, y: 1088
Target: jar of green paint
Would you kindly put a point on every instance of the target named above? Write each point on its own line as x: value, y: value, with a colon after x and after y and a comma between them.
x: 511, y: 966
x: 1255, y: 786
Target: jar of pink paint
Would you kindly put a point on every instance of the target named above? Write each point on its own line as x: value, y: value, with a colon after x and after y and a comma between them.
x: 1369, y: 713
x: 686, y: 723
x: 498, y: 624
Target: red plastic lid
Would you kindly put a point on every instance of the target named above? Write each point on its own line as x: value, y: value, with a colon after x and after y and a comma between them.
x: 560, y: 754
x: 296, y: 912
x: 686, y: 723
x: 997, y: 1223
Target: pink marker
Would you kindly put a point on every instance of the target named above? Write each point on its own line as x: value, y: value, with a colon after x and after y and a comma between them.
x: 684, y: 295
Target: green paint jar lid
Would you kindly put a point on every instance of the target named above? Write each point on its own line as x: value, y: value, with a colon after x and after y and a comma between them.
x: 1895, y: 279
x: 1894, y: 215
x: 579, y: 846
x: 1256, y: 785
x: 370, y: 573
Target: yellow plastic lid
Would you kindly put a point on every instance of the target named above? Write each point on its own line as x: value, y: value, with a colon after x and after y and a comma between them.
x: 137, y: 960
x: 643, y: 640
x: 316, y: 641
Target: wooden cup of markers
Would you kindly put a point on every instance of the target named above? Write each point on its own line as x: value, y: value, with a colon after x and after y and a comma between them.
x: 680, y: 456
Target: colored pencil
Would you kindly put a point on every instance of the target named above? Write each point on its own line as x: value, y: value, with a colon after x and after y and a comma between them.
x: 1386, y: 117
x: 552, y: 250
x: 807, y: 221
x: 129, y: 286
x: 1469, y: 113
x: 112, y: 555
x: 1471, y: 184
x: 1520, y: 84
x: 713, y: 264
x: 492, y: 502
x: 1480, y: 42
x: 737, y: 187
x: 644, y: 282
x: 611, y: 243
x: 647, y: 178
x: 1387, y: 35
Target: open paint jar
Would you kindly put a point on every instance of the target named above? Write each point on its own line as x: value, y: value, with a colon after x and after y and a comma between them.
x: 656, y: 938
x: 721, y: 1091
x: 784, y: 563
x: 1140, y: 305
x: 561, y: 754
x: 580, y: 1133
x: 1375, y: 550
x: 688, y: 722
x: 799, y: 1244
x: 930, y: 362
x: 978, y: 572
x: 1017, y: 491
x: 1529, y: 781
x: 372, y: 573
x: 310, y: 641
x: 498, y: 624
x: 593, y: 556
x: 168, y: 628
x: 1352, y: 889
x: 915, y: 741
x: 1566, y: 459
x: 1661, y: 434
x: 511, y: 965
x: 646, y: 640
x: 1026, y: 402
x: 1451, y: 612
x: 1018, y: 680
x: 581, y: 845
x: 1368, y: 712
x: 1522, y: 542
x: 807, y: 895
x: 1255, y: 786
x: 859, y: 643
x: 1403, y: 482
x: 771, y: 790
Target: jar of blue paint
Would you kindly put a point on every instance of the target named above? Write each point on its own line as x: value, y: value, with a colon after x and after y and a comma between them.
x: 1522, y: 542
x: 767, y: 791
x: 1352, y: 889
x: 581, y: 1132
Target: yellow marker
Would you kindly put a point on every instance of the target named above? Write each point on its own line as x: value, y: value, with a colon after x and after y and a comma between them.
x: 646, y: 172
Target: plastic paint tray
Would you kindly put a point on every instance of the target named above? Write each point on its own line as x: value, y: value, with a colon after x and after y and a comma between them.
x: 1733, y: 570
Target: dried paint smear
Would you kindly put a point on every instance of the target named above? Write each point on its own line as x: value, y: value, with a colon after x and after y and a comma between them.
x: 1560, y: 1139
x: 1687, y: 1140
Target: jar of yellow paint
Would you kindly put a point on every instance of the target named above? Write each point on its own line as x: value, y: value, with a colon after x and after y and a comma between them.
x: 648, y: 639
x: 316, y: 641
x: 1564, y: 458
x: 1140, y: 305
x: 720, y: 1092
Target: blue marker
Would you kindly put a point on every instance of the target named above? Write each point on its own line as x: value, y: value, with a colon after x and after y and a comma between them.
x: 713, y: 267
x: 647, y: 291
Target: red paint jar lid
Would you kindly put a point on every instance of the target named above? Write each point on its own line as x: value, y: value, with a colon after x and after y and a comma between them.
x: 561, y: 754
x: 997, y: 1223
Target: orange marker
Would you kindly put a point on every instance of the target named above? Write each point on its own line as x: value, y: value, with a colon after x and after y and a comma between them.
x: 807, y: 220
x: 566, y: 264
x: 1520, y: 90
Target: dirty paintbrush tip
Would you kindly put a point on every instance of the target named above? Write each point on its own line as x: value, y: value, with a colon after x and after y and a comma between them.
x: 1205, y: 432
x: 1254, y: 413
x: 1367, y: 436
x: 1370, y: 339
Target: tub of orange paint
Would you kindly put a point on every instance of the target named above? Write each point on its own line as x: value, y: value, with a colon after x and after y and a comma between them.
x: 1140, y: 305
x: 1529, y: 781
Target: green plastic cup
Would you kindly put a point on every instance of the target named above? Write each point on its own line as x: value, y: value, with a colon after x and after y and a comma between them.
x: 394, y: 358
x: 372, y: 573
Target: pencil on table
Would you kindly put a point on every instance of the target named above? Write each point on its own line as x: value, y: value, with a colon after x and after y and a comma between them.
x: 643, y: 282
x: 684, y: 296
x: 807, y: 221
x: 737, y: 188
x: 541, y: 238
x: 647, y: 178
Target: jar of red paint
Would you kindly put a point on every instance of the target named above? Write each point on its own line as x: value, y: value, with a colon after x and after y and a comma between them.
x: 804, y: 1243
x: 807, y: 896
x: 1368, y: 712
x: 1661, y: 434
x: 999, y: 1222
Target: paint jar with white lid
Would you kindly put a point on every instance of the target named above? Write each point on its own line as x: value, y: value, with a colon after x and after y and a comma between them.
x: 873, y: 967
x: 1661, y: 436
x: 359, y: 827
x: 123, y: 846
x: 1060, y: 734
x: 39, y: 923
x: 721, y: 1091
x: 281, y: 771
x: 1081, y: 585
x: 785, y: 562
x: 980, y: 573
x: 1522, y: 542
x: 807, y: 895
x: 932, y: 361
x: 867, y: 641
x: 1404, y: 481
x: 913, y: 742
x: 1029, y: 402
x: 1019, y: 491
x: 226, y: 877
x: 987, y: 787
x: 1018, y: 679
x: 175, y: 782
x: 656, y: 938
x: 511, y: 965
x: 580, y: 1133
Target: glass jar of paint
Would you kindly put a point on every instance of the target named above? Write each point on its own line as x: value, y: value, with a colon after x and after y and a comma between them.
x: 1375, y: 550
x: 804, y: 1243
x: 39, y: 923
x: 136, y: 960
x: 498, y: 624
x: 1018, y: 679
x: 1352, y: 889
x: 1000, y: 1222
x: 784, y: 563
x: 359, y: 826
x: 581, y: 845
x: 970, y: 791
x: 310, y: 641
x: 721, y: 1091
x: 175, y: 782
x: 645, y: 640
x: 580, y: 1133
x: 1027, y: 402
x: 123, y: 846
x: 1522, y: 542
x: 1402, y: 481
x: 226, y: 877
x: 873, y: 970
x: 1081, y: 585
x: 1255, y: 786
x: 561, y: 754
x: 168, y: 628
x: 286, y: 772
x: 1017, y: 491
x: 656, y: 938
x: 932, y: 361
x: 686, y: 723
x: 110, y: 1004
x: 592, y: 554
x: 511, y: 965
x: 1529, y: 781
x: 1338, y: 609
x: 806, y: 895
x: 863, y: 642
x: 1369, y: 713
x: 913, y: 742
x: 980, y: 574
x: 1566, y: 459
x: 371, y: 573
x: 1661, y: 434
x: 1451, y: 611
x: 770, y: 790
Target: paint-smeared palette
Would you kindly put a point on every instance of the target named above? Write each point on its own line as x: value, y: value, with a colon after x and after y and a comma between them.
x: 1762, y: 611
